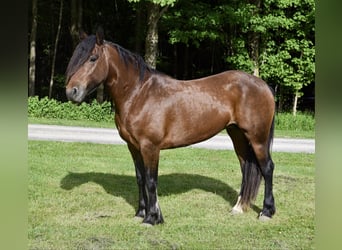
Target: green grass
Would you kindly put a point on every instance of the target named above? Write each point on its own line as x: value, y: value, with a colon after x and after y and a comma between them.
x: 84, y: 196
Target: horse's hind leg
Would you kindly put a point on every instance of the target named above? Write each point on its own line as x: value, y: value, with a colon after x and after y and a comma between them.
x: 267, y: 166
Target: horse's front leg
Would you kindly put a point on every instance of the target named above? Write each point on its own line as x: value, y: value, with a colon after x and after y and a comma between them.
x: 141, y: 212
x: 154, y: 214
x: 151, y: 158
x: 140, y: 175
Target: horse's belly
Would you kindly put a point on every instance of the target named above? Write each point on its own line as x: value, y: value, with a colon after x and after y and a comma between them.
x: 184, y: 132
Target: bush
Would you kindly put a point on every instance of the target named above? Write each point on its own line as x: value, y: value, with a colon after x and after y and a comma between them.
x: 50, y: 108
x: 300, y: 122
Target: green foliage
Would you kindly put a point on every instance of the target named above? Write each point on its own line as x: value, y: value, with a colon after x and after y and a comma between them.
x: 279, y: 38
x: 274, y: 36
x: 192, y: 22
x: 59, y: 80
x: 50, y: 108
x: 240, y: 58
x: 299, y: 122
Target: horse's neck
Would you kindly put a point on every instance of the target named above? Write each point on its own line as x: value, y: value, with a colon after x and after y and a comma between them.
x: 123, y: 82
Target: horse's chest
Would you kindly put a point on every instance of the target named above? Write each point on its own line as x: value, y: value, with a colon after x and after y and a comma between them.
x: 124, y: 131
x: 121, y: 128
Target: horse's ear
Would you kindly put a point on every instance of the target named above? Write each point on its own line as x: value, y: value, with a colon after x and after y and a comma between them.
x: 99, y: 36
x: 82, y: 35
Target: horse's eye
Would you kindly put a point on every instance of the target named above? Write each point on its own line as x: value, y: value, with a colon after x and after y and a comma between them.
x: 93, y: 58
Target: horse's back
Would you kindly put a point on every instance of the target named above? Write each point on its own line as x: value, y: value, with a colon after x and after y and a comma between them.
x: 238, y: 89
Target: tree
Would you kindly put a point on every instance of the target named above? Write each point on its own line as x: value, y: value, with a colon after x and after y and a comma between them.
x: 55, y: 48
x: 290, y: 55
x: 285, y: 52
x: 273, y: 39
x: 76, y: 20
x: 154, y: 12
x: 253, y: 37
x: 32, y: 67
x: 155, y: 9
x: 193, y: 24
x: 192, y: 39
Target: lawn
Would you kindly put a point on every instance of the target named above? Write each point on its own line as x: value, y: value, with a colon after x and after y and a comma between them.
x: 84, y: 196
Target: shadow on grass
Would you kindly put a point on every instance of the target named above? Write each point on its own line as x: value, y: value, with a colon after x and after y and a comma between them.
x: 126, y: 187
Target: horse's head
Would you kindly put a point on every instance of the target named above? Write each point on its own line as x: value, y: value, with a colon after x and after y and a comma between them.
x: 87, y: 68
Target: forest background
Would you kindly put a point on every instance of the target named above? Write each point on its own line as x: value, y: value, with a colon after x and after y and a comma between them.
x: 186, y: 39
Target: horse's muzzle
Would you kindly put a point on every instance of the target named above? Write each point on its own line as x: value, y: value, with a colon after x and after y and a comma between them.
x: 75, y: 94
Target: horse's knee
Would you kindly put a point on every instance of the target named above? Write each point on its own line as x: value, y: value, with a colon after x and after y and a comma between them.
x: 267, y: 169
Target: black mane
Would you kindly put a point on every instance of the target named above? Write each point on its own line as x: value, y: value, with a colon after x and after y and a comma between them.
x: 131, y: 58
x: 83, y: 51
x: 80, y: 55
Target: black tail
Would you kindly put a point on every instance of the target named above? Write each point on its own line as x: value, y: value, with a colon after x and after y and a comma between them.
x: 251, y: 174
x: 251, y: 179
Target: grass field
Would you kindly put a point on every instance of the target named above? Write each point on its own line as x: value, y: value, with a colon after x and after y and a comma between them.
x: 84, y: 196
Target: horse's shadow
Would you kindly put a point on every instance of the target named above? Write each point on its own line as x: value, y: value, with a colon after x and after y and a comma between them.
x: 126, y: 187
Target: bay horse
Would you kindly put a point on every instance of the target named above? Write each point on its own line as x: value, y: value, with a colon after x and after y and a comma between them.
x: 154, y: 111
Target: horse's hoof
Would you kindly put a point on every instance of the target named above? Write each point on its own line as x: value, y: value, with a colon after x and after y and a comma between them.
x: 263, y: 217
x: 235, y: 211
x: 138, y: 218
x: 144, y: 224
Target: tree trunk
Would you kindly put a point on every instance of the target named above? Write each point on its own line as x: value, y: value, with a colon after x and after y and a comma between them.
x: 76, y: 21
x: 187, y: 65
x: 280, y: 99
x: 151, y: 43
x: 55, y: 49
x: 255, y: 53
x: 175, y: 61
x: 254, y: 41
x: 212, y: 58
x: 32, y: 68
x: 295, y: 101
x: 138, y: 29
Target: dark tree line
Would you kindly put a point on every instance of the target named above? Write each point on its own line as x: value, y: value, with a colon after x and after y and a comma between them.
x: 186, y: 39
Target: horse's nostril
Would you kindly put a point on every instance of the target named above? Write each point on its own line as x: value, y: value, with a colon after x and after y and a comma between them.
x: 74, y: 91
x: 74, y: 94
